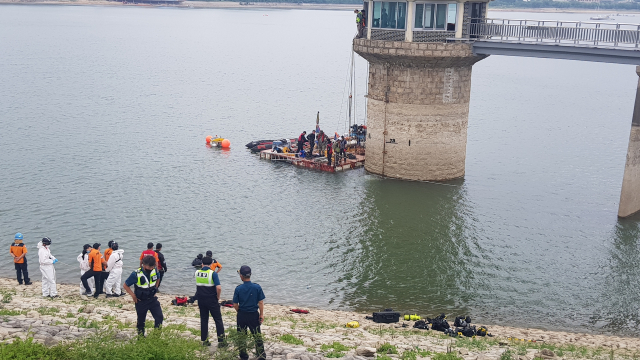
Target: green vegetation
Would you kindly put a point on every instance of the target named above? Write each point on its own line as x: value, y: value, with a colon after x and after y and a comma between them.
x: 334, y: 354
x: 236, y: 340
x: 387, y: 348
x: 290, y: 339
x: 158, y: 345
x: 507, y: 355
x: 335, y: 346
x: 335, y: 350
x: 8, y: 312
x: 83, y: 322
x: 475, y: 343
x: 383, y: 357
x: 413, y: 354
x: 446, y: 356
x: 42, y: 310
x: 7, y: 295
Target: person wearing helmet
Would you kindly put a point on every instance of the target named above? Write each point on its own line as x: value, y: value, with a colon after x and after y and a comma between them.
x: 83, y: 259
x: 114, y: 269
x: 46, y: 267
x: 19, y: 252
x: 106, y: 255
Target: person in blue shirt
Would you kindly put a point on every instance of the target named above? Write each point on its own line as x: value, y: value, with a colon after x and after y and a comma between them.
x: 208, y: 294
x: 248, y: 300
x: 145, y: 280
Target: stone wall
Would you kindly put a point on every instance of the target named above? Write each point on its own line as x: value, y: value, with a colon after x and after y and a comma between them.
x: 418, y: 108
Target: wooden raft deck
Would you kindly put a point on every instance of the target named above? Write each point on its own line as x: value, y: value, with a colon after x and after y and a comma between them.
x: 311, y: 163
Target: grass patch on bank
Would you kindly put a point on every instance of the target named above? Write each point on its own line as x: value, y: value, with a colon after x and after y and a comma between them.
x: 387, y: 348
x: 159, y: 344
x: 43, y: 310
x: 290, y: 339
x: 334, y: 350
x: 413, y: 354
x: 446, y: 356
x: 7, y: 312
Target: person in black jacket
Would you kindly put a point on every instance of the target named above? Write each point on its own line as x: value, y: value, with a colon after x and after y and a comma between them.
x: 311, y: 138
x: 197, y: 262
x: 162, y: 267
x: 301, y: 140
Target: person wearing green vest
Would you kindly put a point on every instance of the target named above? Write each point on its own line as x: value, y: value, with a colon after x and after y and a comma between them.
x: 359, y: 22
x: 145, y: 282
x: 208, y: 291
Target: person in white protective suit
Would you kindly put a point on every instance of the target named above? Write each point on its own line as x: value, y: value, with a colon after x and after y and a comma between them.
x: 83, y: 259
x: 114, y: 268
x: 46, y: 267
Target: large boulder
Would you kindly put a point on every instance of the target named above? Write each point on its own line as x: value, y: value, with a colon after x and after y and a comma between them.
x: 366, y: 351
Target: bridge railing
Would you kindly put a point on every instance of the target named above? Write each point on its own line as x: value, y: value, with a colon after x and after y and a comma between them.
x: 559, y: 32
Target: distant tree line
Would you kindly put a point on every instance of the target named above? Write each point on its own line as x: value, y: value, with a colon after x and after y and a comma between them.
x: 536, y: 4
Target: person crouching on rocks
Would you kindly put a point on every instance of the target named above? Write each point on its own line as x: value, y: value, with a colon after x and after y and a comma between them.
x: 46, y: 267
x: 114, y: 268
x: 83, y: 259
x: 145, y: 282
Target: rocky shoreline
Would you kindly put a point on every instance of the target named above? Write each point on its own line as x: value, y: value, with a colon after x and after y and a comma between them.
x: 321, y: 334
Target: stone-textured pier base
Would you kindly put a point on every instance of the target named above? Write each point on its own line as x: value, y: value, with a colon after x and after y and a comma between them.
x: 418, y: 108
x: 630, y: 194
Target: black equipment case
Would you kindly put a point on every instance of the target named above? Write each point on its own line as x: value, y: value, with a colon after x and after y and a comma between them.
x: 387, y: 316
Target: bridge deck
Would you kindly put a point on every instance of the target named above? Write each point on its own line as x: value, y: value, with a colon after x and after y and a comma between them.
x: 572, y: 40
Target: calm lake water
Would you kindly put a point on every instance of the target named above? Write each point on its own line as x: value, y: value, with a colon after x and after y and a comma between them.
x: 103, y: 115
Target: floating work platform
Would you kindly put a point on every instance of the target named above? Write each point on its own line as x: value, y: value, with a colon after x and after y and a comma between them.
x: 319, y: 163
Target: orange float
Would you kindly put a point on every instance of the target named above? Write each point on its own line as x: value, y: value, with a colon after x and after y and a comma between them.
x: 226, y: 143
x: 208, y: 139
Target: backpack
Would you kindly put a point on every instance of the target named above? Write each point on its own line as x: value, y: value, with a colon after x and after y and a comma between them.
x: 468, y: 331
x: 421, y: 324
x: 482, y: 331
x: 462, y: 321
x: 439, y: 323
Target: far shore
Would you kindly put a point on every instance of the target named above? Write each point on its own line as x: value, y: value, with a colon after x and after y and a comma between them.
x: 289, y: 6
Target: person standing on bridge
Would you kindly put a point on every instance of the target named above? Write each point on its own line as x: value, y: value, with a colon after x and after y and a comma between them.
x: 359, y: 22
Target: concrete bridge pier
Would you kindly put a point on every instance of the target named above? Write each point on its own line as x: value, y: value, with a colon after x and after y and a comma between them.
x: 418, y: 108
x: 630, y: 194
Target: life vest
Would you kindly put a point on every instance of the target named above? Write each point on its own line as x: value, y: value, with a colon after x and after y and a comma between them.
x: 204, y: 278
x: 359, y: 17
x: 145, y: 283
x: 145, y: 288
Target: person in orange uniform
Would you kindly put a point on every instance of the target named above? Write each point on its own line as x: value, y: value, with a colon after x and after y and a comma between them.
x: 19, y: 253
x: 149, y: 252
x: 96, y: 265
x: 215, y: 266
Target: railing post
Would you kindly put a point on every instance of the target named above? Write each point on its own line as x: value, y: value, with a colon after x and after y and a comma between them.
x: 408, y: 34
x: 369, y: 18
x: 459, y: 20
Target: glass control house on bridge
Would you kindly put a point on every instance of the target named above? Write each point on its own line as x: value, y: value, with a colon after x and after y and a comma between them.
x: 420, y: 61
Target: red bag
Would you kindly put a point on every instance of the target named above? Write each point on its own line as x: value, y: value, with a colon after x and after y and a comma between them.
x: 300, y: 311
x: 181, y: 301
